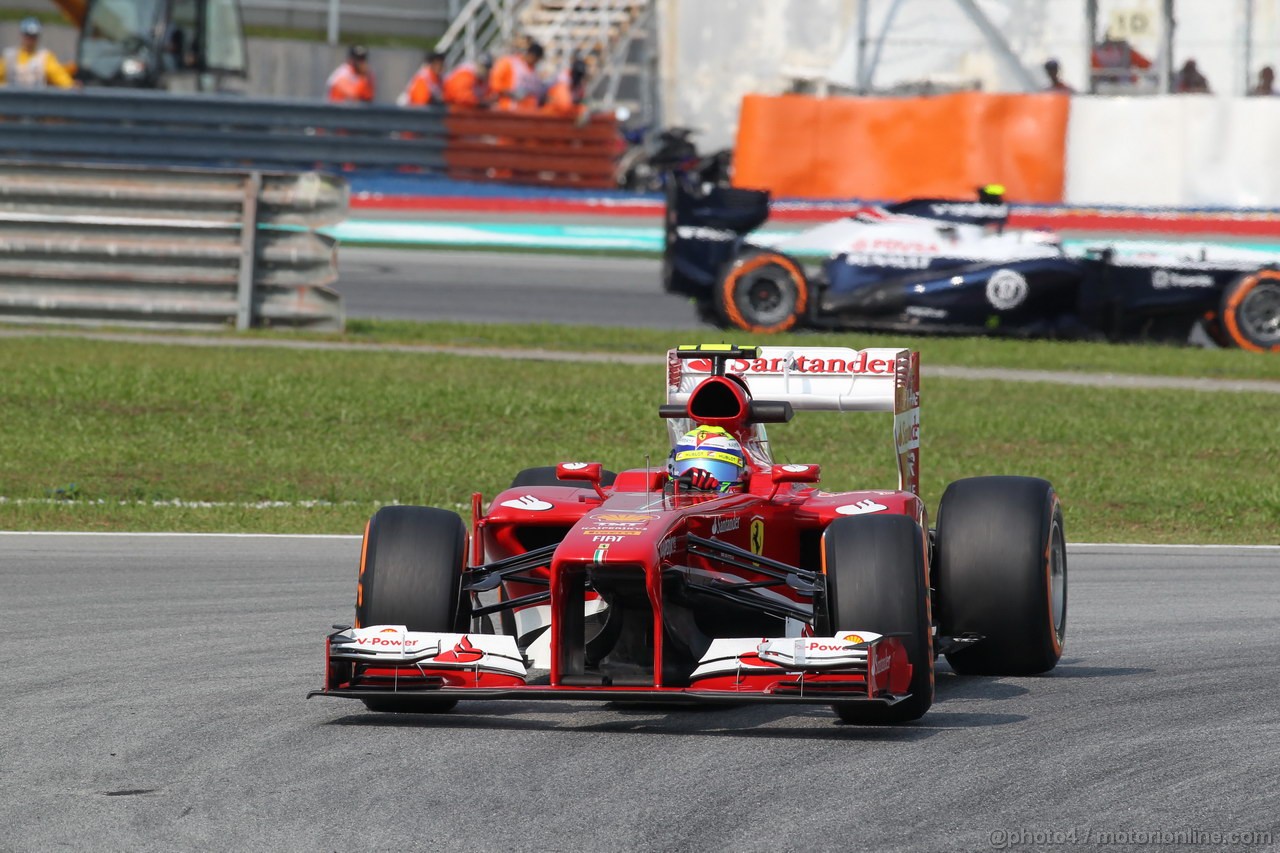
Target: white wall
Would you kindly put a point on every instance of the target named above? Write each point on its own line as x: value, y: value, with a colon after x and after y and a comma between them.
x: 1174, y: 151
x: 712, y: 52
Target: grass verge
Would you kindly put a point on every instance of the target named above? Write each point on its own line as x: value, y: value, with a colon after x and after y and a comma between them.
x: 97, y: 433
x: 1152, y: 360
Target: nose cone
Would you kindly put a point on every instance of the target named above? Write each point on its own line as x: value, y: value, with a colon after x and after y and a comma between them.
x: 606, y: 536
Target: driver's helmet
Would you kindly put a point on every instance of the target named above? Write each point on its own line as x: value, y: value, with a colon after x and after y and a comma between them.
x: 713, y: 450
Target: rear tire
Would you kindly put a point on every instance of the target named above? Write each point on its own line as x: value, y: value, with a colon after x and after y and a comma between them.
x: 1251, y: 311
x: 763, y: 292
x: 1002, y: 573
x: 546, y: 476
x: 875, y: 581
x: 411, y: 575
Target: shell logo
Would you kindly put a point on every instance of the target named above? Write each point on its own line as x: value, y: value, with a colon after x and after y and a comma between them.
x: 620, y: 516
x: 853, y: 638
x: 389, y: 631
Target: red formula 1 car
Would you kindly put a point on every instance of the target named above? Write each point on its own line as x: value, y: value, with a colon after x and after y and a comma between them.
x: 580, y: 584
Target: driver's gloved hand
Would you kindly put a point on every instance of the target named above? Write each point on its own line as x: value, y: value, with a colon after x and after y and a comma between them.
x: 696, y: 478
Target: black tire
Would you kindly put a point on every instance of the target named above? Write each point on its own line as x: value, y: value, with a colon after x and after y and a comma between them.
x: 875, y: 581
x: 762, y: 292
x: 1251, y: 311
x: 1001, y: 572
x: 411, y: 575
x: 546, y: 476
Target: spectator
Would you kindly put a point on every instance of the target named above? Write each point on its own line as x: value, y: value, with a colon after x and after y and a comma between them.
x: 468, y: 84
x: 514, y: 81
x: 1190, y: 80
x: 1051, y: 71
x: 427, y: 86
x: 352, y: 81
x: 30, y: 66
x: 1266, y: 82
x: 1115, y: 63
x: 565, y: 96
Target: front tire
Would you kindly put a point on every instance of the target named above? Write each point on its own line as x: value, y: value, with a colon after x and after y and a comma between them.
x: 764, y: 292
x: 411, y: 574
x: 1251, y: 311
x: 875, y: 581
x: 1002, y: 574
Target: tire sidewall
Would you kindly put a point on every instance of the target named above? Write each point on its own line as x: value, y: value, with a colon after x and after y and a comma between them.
x: 545, y: 475
x: 411, y: 570
x: 876, y: 579
x: 996, y: 540
x: 729, y: 292
x: 1233, y: 301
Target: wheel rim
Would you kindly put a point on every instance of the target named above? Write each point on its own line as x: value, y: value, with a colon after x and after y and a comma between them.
x: 1259, y: 314
x: 765, y: 297
x: 1057, y: 581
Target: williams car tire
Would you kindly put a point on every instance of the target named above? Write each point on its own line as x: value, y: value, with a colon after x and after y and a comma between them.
x: 411, y: 574
x: 763, y: 292
x: 546, y: 476
x: 1251, y: 311
x: 1001, y: 573
x: 875, y: 581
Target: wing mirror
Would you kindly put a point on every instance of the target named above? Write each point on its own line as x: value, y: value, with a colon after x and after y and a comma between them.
x: 796, y: 473
x: 793, y: 474
x: 587, y: 472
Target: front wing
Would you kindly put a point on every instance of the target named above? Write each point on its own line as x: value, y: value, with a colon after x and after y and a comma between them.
x: 386, y: 661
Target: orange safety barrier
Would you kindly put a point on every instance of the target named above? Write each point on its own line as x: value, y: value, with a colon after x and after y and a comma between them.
x: 896, y: 148
x: 531, y: 148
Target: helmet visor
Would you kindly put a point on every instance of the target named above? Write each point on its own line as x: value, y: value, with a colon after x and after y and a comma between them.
x: 725, y: 467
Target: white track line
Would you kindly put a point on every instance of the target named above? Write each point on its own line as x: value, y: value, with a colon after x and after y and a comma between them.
x: 1053, y: 377
x: 185, y: 504
x: 153, y: 535
x: 1071, y: 546
x: 179, y: 503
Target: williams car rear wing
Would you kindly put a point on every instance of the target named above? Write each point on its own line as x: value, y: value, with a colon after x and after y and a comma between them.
x: 818, y: 379
x: 704, y: 229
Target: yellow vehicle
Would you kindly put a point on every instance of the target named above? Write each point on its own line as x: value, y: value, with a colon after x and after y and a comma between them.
x: 158, y: 44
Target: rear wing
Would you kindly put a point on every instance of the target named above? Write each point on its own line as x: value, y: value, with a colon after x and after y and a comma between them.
x: 818, y: 379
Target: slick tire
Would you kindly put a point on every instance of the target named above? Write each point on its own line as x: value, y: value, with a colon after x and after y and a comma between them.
x: 1251, y: 311
x: 411, y: 574
x: 546, y: 476
x: 763, y: 292
x: 875, y: 581
x: 1001, y: 572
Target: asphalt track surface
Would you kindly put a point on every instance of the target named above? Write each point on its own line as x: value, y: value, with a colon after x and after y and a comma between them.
x: 153, y: 700
x: 506, y: 287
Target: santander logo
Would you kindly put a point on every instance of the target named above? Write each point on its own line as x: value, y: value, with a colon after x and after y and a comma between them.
x: 861, y: 363
x: 861, y: 507
x: 529, y: 503
x: 463, y: 652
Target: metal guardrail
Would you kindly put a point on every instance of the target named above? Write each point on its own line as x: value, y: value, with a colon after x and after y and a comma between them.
x: 94, y: 244
x: 160, y: 127
x: 226, y: 130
